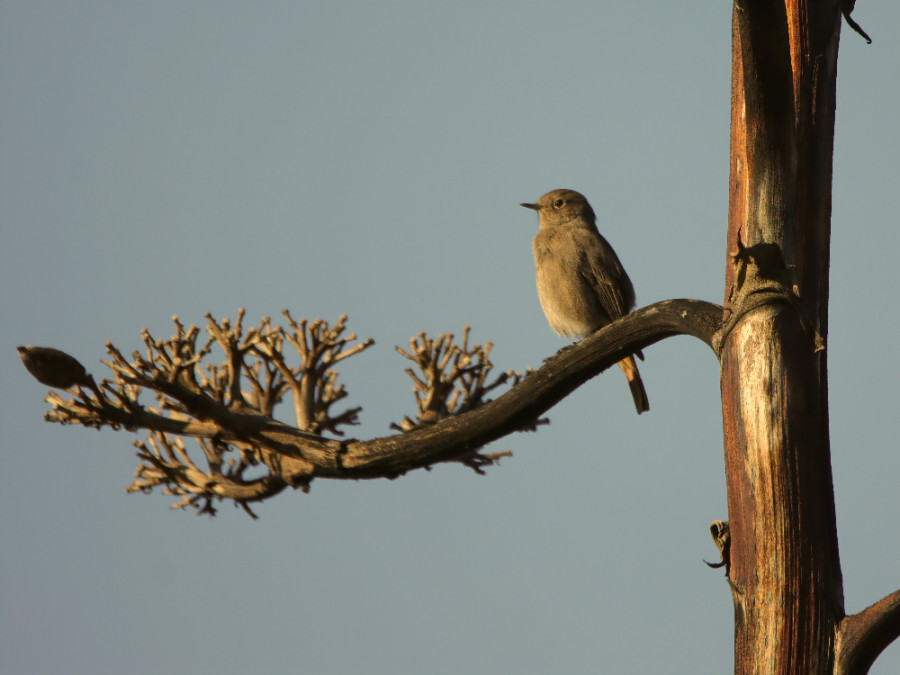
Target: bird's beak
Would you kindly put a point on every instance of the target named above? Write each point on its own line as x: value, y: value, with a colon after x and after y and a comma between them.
x: 534, y: 207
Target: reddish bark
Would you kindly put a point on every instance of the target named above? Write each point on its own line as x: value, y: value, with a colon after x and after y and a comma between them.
x: 785, y: 570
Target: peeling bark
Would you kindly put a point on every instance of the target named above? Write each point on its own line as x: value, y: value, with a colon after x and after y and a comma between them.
x: 785, y: 571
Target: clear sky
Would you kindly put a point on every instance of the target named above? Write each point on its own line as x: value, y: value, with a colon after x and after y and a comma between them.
x: 368, y: 158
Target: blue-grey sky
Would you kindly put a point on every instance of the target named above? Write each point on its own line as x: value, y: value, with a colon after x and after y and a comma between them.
x: 366, y: 158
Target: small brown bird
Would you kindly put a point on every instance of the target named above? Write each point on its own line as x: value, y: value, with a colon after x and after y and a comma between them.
x: 580, y: 282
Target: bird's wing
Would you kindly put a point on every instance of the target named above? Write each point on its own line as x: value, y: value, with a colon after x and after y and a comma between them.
x: 606, y: 275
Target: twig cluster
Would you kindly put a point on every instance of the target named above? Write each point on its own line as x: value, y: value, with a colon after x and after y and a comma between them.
x: 229, y: 406
x: 451, y: 378
x: 232, y: 399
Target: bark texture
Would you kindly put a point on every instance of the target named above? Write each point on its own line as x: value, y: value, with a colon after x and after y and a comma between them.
x: 785, y: 570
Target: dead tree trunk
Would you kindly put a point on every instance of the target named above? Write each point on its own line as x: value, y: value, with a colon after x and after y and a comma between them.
x: 785, y: 570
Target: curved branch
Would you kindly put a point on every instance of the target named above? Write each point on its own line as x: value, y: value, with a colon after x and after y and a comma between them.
x: 536, y: 394
x: 862, y: 637
x: 302, y: 456
x: 458, y: 436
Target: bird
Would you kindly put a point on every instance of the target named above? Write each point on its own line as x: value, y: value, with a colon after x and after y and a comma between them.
x: 581, y: 283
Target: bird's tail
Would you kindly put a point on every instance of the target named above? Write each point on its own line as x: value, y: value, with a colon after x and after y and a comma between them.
x: 638, y: 393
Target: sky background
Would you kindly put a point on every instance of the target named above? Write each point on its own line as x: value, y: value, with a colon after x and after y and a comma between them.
x: 366, y: 158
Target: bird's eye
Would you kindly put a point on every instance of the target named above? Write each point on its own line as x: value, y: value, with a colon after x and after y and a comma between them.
x: 558, y: 203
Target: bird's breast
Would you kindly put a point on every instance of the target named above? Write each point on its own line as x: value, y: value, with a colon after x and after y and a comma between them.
x: 569, y: 302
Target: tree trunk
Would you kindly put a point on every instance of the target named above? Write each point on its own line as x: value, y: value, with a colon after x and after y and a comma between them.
x: 785, y: 571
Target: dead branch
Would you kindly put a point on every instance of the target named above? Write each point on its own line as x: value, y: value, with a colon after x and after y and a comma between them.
x: 229, y: 407
x: 451, y: 379
x: 862, y: 637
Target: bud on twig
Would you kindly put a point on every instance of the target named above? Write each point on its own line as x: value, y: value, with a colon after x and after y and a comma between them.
x: 53, y: 367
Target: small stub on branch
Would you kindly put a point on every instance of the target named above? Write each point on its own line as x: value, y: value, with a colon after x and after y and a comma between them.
x: 722, y: 537
x: 846, y: 10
